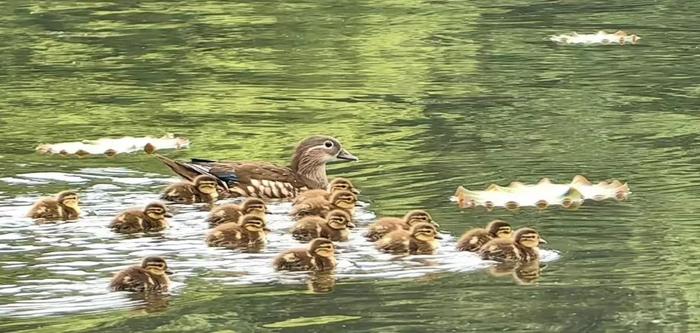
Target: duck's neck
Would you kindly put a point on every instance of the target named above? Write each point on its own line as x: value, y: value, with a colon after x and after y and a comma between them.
x: 161, y: 282
x: 529, y: 253
x: 70, y: 212
x: 154, y: 224
x: 324, y: 263
x: 311, y: 171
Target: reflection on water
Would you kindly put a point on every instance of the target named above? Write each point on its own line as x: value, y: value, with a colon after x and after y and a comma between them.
x: 428, y: 94
x: 70, y: 264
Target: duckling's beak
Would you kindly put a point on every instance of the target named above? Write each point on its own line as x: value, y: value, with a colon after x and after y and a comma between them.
x: 435, y: 224
x: 169, y: 272
x: 542, y: 241
x: 266, y: 229
x: 344, y: 155
x: 168, y: 214
x: 351, y: 225
x: 355, y: 191
x: 437, y: 236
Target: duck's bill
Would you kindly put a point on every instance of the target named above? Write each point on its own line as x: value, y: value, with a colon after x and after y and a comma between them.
x: 168, y: 215
x: 438, y: 236
x: 542, y: 241
x: 345, y: 156
x: 169, y: 272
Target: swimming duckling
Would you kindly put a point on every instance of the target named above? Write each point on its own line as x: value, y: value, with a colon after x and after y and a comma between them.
x: 319, y: 206
x: 201, y: 189
x: 421, y: 239
x: 335, y: 227
x: 63, y: 207
x: 336, y: 184
x: 523, y: 247
x: 249, y: 232
x: 386, y: 225
x: 474, y: 239
x: 319, y: 256
x: 152, y: 275
x: 151, y: 218
x: 232, y: 212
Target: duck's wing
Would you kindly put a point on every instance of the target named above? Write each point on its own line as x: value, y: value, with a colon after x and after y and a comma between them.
x: 131, y: 279
x: 259, y: 180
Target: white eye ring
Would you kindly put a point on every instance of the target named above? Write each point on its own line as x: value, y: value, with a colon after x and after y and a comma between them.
x: 328, y: 144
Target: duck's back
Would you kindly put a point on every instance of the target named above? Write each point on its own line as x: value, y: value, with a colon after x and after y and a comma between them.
x: 133, y: 278
x: 229, y: 235
x: 224, y: 213
x: 307, y: 228
x: 311, y: 194
x: 384, y: 226
x: 48, y: 209
x: 129, y: 221
x: 473, y: 240
x: 500, y: 250
x: 311, y: 207
x: 294, y: 260
x: 396, y: 242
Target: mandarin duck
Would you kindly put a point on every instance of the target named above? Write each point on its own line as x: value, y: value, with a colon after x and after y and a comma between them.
x: 63, y: 207
x: 268, y: 181
x: 472, y: 240
x: 385, y: 225
x: 421, y: 239
x: 152, y: 275
x: 151, y: 218
x: 523, y: 247
x: 201, y: 189
x: 335, y: 226
x: 318, y: 256
x: 233, y: 212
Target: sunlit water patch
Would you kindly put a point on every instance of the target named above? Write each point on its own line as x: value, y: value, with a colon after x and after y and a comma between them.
x: 52, y: 269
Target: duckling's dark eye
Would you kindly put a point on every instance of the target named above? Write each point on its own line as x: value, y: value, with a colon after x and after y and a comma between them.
x: 328, y: 144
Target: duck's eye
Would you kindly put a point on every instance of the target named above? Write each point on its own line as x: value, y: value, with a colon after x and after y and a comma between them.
x: 328, y: 144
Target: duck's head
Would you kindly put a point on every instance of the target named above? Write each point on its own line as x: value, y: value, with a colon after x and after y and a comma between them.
x: 500, y: 229
x: 205, y: 184
x: 322, y: 247
x: 425, y: 232
x: 338, y: 184
x: 319, y: 150
x: 157, y: 211
x: 156, y: 266
x: 419, y: 216
x: 339, y: 220
x: 254, y: 206
x: 253, y: 223
x: 344, y: 199
x: 69, y: 199
x: 528, y: 237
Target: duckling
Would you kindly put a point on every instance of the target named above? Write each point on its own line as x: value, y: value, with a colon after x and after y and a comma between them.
x: 319, y: 256
x: 249, y: 232
x: 421, y: 239
x: 268, y: 181
x: 523, y: 247
x: 201, y: 189
x: 152, y: 275
x: 63, y: 207
x: 386, y: 225
x: 474, y: 239
x: 335, y: 227
x: 151, y: 218
x: 319, y: 206
x: 233, y: 212
x: 336, y: 184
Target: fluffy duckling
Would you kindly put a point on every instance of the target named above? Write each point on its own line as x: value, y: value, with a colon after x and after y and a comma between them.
x: 336, y: 184
x: 63, y: 207
x: 319, y: 256
x: 152, y: 275
x: 335, y: 227
x: 249, y: 232
x: 233, y: 212
x: 201, y: 189
x: 421, y: 239
x: 386, y: 225
x: 523, y: 247
x: 151, y: 218
x: 319, y: 206
x: 474, y: 239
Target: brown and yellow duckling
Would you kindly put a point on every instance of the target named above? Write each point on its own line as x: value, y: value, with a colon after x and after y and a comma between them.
x: 421, y: 239
x: 63, y: 207
x: 268, y: 181
x: 385, y: 225
x: 337, y: 184
x: 474, y: 239
x: 318, y: 256
x: 233, y: 212
x: 523, y: 247
x: 202, y: 189
x: 249, y: 232
x: 152, y: 275
x: 344, y: 200
x: 152, y: 218
x: 335, y: 226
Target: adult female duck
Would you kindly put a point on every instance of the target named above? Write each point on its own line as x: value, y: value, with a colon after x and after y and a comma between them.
x: 268, y: 181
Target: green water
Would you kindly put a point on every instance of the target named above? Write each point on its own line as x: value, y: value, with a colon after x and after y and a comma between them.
x: 429, y: 95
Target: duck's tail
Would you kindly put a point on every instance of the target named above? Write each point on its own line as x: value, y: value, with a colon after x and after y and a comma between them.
x: 183, y: 170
